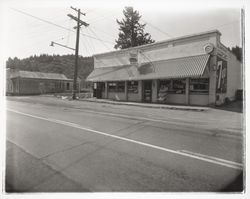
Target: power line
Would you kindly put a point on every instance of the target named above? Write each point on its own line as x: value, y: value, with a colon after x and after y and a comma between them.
x: 100, y: 41
x: 226, y: 24
x: 59, y: 26
x: 158, y: 29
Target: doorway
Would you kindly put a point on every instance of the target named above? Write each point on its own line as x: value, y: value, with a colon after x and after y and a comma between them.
x: 147, y: 91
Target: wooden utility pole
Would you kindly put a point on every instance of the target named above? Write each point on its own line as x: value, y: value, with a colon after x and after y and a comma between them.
x: 79, y: 24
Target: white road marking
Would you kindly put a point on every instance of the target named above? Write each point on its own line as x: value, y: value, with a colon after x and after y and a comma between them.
x: 201, y: 157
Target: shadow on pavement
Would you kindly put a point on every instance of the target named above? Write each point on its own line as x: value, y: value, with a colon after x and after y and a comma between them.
x: 236, y: 185
x: 236, y: 106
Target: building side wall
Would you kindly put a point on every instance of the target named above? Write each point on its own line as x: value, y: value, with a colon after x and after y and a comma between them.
x: 234, y: 77
x: 9, y: 86
x: 29, y: 86
x: 36, y: 86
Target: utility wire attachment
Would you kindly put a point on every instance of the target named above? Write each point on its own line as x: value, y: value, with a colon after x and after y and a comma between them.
x: 75, y: 9
x: 52, y: 44
x: 76, y: 19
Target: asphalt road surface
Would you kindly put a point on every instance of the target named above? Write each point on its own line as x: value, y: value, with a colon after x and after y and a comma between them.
x: 71, y: 146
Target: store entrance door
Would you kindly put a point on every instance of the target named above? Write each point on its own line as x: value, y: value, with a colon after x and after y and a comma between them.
x: 99, y: 88
x: 147, y: 91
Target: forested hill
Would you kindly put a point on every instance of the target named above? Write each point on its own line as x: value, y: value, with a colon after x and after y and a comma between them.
x: 53, y: 64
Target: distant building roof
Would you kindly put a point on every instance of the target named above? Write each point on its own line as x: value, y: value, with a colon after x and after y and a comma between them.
x: 35, y: 75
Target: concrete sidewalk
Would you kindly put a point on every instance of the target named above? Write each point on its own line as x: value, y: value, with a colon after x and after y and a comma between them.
x: 147, y: 105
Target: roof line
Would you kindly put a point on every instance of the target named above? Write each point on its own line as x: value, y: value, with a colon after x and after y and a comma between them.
x: 162, y: 60
x: 160, y: 42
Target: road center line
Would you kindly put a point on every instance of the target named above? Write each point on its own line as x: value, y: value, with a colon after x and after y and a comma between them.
x: 215, y: 160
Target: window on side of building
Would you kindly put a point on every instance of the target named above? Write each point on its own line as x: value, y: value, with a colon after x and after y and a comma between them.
x: 133, y: 87
x: 199, y: 86
x: 178, y: 86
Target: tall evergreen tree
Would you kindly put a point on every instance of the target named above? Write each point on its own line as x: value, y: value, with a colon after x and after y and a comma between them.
x: 131, y: 30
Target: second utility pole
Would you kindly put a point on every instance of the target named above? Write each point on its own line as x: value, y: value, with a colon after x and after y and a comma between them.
x: 79, y: 23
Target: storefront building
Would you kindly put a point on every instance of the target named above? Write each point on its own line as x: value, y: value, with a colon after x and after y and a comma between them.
x: 191, y: 70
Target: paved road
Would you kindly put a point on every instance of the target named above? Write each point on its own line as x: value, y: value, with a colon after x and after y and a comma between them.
x: 55, y: 145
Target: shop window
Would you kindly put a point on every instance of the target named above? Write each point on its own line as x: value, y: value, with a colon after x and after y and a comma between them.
x: 178, y: 86
x: 120, y: 87
x: 112, y: 86
x: 164, y: 85
x: 163, y: 90
x: 116, y: 86
x: 133, y: 87
x: 199, y: 86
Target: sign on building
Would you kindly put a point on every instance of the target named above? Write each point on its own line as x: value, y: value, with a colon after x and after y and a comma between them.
x: 221, y: 76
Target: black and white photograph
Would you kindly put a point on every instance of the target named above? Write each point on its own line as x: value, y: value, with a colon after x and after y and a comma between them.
x: 123, y: 97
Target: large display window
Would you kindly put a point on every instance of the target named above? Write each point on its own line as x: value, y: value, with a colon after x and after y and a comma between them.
x: 133, y: 87
x: 116, y: 86
x: 199, y: 86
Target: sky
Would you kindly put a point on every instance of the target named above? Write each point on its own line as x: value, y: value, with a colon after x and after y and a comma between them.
x: 26, y: 35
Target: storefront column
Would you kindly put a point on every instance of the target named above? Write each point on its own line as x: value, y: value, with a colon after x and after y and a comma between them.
x: 154, y: 90
x: 106, y: 90
x: 212, y: 80
x: 126, y: 90
x: 187, y: 91
x: 140, y: 89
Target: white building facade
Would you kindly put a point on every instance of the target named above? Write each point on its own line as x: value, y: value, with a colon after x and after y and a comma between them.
x: 191, y: 70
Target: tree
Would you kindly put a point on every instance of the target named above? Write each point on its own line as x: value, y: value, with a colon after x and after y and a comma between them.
x: 237, y: 51
x: 131, y: 30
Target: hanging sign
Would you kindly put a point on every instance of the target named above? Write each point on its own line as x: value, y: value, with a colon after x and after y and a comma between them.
x: 133, y: 57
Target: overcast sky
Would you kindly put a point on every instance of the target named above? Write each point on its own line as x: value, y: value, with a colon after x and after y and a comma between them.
x: 25, y: 35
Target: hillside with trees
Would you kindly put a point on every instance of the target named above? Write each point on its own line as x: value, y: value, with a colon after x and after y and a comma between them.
x: 53, y: 64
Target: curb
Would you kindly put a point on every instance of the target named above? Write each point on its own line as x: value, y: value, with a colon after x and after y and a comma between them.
x: 186, y: 108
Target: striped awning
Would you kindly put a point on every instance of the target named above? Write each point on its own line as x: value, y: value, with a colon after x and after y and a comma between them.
x: 193, y: 66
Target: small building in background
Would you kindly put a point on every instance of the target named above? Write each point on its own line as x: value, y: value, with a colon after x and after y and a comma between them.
x: 20, y: 82
x: 191, y: 70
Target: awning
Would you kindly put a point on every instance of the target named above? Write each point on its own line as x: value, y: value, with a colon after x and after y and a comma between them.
x: 193, y: 66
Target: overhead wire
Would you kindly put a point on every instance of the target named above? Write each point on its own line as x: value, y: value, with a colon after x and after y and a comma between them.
x: 108, y: 48
x: 59, y: 26
x: 157, y: 28
x: 86, y: 49
x: 88, y: 45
